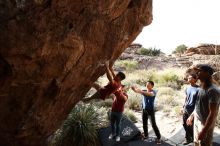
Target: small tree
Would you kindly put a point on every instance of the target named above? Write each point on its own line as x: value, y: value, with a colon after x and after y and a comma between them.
x: 149, y: 51
x: 180, y: 49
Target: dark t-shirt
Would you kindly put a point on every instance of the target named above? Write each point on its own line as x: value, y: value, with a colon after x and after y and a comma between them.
x: 205, y: 97
x: 191, y: 96
x: 148, y: 101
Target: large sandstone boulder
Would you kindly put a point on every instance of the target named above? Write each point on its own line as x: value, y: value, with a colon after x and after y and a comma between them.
x: 51, y: 51
x: 213, y: 61
x: 205, y: 49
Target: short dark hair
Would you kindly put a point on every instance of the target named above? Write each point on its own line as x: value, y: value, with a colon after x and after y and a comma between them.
x: 194, y: 76
x: 205, y: 68
x: 151, y: 82
x: 121, y: 75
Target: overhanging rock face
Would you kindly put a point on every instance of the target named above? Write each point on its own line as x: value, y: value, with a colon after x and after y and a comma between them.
x: 51, y: 51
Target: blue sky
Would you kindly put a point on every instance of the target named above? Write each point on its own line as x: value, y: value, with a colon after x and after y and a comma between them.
x: 177, y: 22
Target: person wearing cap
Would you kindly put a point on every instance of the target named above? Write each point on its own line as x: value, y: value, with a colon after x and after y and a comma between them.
x: 206, y: 109
x: 189, y: 106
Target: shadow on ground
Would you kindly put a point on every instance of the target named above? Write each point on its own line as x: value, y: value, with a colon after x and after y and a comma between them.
x: 178, y: 138
x: 131, y: 136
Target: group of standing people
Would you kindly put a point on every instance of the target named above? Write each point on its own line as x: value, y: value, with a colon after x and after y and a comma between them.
x: 199, y: 111
x: 201, y: 107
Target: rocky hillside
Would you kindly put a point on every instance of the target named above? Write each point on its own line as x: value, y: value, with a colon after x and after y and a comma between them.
x: 147, y: 62
x: 51, y: 51
x: 165, y: 61
x: 178, y: 61
x: 204, y: 49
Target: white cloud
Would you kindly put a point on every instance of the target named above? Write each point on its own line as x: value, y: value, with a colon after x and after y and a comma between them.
x: 176, y: 22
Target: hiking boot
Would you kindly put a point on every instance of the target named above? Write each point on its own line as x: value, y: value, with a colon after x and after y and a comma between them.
x: 185, y: 142
x: 110, y: 136
x: 143, y: 136
x: 158, y: 141
x: 117, y: 138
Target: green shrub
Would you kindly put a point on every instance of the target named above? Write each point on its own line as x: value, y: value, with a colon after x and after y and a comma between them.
x: 166, y: 109
x: 177, y: 110
x: 166, y: 97
x: 106, y: 103
x: 127, y: 64
x: 149, y: 51
x: 165, y: 77
x: 180, y: 49
x: 134, y: 100
x: 130, y: 115
x: 80, y: 127
x: 169, y: 77
x: 174, y: 85
x: 139, y: 77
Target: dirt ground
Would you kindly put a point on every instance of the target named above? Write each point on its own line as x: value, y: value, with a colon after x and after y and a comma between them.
x: 170, y: 126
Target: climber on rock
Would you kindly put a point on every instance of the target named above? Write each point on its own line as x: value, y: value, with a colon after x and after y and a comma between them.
x: 113, y: 85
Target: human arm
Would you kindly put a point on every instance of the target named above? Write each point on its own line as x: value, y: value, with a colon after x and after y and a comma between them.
x: 182, y: 111
x: 112, y: 71
x: 184, y: 100
x: 124, y: 97
x: 121, y: 94
x: 108, y: 73
x: 189, y: 121
x: 213, y: 111
x: 137, y: 90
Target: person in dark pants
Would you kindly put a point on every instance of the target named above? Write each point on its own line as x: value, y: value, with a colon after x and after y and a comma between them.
x: 206, y: 108
x: 148, y: 109
x: 189, y: 105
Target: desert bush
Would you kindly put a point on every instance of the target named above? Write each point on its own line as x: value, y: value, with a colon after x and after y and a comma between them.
x: 127, y: 64
x: 180, y: 49
x: 165, y: 77
x: 169, y: 77
x: 175, y: 85
x: 149, y: 51
x: 130, y: 115
x: 166, y: 97
x: 177, y: 109
x: 139, y: 77
x: 134, y: 100
x: 104, y: 103
x: 80, y: 128
x: 166, y: 109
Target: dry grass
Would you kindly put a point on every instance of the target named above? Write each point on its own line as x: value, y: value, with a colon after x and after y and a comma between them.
x: 165, y: 84
x: 130, y: 115
x: 128, y: 65
x: 134, y: 100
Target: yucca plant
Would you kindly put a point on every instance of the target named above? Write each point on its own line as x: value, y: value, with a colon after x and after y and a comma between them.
x: 79, y: 129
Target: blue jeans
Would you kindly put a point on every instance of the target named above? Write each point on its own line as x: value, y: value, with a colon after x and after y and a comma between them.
x: 116, y: 123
